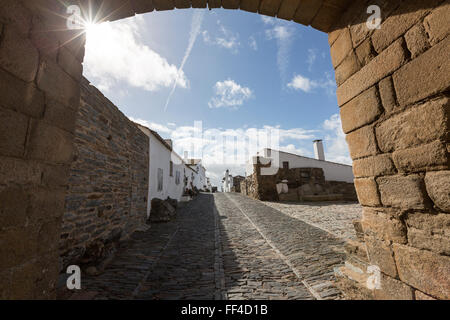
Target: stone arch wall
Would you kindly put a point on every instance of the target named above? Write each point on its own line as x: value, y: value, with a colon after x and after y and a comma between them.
x: 394, y: 103
x: 393, y: 94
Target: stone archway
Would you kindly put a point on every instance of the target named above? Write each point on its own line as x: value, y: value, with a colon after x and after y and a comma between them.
x: 394, y: 101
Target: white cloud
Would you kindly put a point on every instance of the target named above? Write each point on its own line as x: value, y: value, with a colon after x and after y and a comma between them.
x: 115, y: 52
x: 224, y: 38
x: 290, y: 148
x: 336, y: 146
x: 252, y: 43
x: 307, y: 85
x: 301, y: 83
x: 283, y: 33
x: 296, y: 134
x: 229, y: 94
x: 268, y: 20
x: 152, y: 125
x: 223, y: 149
x: 312, y: 56
x: 279, y: 32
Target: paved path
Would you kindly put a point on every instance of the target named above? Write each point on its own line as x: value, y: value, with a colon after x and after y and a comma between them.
x: 335, y: 218
x: 223, y: 246
x: 309, y: 253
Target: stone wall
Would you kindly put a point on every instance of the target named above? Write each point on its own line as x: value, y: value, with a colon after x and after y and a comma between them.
x: 259, y: 187
x: 249, y: 186
x: 237, y: 184
x: 39, y: 96
x: 108, y: 181
x: 393, y: 93
x: 305, y: 184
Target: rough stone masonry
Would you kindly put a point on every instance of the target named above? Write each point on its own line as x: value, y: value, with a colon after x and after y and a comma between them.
x: 106, y: 199
x: 393, y: 95
x: 304, y: 184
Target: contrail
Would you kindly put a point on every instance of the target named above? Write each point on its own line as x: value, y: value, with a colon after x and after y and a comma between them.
x: 196, y: 25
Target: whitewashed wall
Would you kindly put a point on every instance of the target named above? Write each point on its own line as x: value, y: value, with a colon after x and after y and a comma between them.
x: 227, y: 182
x: 159, y: 158
x: 201, y: 177
x: 189, y: 173
x: 332, y: 171
x: 175, y: 190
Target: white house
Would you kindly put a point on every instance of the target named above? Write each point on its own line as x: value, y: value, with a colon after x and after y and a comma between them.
x: 333, y: 171
x: 189, y: 175
x: 166, y: 169
x: 200, y: 181
x: 227, y: 182
x: 176, y: 175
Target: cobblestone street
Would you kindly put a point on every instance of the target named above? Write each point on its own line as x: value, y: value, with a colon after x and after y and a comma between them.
x: 335, y: 218
x: 223, y: 246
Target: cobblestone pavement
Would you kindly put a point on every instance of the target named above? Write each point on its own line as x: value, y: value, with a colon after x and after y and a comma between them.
x: 173, y: 260
x: 310, y: 252
x: 223, y: 246
x: 253, y: 269
x: 335, y: 218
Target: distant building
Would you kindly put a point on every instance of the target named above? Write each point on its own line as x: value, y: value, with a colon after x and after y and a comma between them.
x: 277, y: 175
x: 189, y: 177
x: 227, y: 181
x: 231, y: 183
x: 200, y: 181
x: 169, y: 174
x: 237, y: 183
x: 279, y: 159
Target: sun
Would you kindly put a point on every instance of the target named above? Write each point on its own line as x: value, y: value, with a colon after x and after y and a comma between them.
x: 95, y: 31
x: 90, y: 26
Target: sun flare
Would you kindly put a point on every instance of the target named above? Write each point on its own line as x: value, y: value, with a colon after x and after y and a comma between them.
x: 90, y: 26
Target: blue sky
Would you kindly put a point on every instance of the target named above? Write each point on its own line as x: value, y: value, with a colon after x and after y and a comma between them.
x: 239, y: 71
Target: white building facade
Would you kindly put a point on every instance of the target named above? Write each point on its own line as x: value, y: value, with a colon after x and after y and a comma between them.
x: 169, y: 175
x: 200, y: 181
x: 227, y: 182
x: 333, y: 171
x: 189, y: 175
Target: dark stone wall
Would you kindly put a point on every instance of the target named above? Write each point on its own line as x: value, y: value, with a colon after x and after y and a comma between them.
x: 108, y: 182
x: 39, y: 95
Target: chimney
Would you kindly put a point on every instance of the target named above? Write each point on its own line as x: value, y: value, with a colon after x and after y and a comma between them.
x: 169, y: 142
x: 318, y: 150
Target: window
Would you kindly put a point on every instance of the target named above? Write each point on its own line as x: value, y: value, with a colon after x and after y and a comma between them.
x: 171, y: 169
x: 285, y: 164
x: 177, y: 177
x: 160, y: 179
